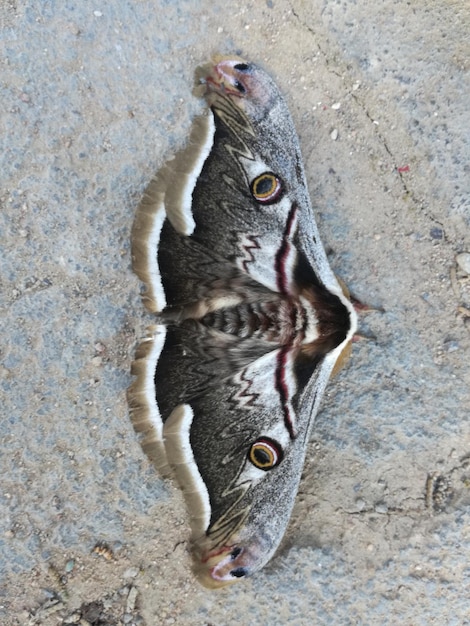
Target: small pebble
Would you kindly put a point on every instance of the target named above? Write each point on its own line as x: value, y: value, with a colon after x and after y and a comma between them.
x: 360, y: 504
x: 451, y: 345
x: 334, y: 134
x: 131, y: 598
x: 97, y: 13
x: 131, y: 572
x: 336, y: 106
x: 381, y: 507
x: 436, y: 233
x: 69, y: 566
x: 463, y: 261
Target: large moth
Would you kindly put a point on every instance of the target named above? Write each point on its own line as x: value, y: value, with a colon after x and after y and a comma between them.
x: 250, y: 321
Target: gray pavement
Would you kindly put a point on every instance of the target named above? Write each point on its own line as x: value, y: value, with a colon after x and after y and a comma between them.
x: 94, y: 97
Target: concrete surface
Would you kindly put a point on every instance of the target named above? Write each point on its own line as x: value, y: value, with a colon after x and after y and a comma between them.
x: 95, y: 96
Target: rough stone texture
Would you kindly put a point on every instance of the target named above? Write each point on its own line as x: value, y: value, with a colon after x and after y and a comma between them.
x: 95, y: 96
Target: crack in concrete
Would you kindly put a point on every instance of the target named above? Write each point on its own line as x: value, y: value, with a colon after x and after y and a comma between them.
x: 391, y: 511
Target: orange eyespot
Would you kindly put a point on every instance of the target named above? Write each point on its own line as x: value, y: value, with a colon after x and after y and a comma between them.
x: 267, y: 188
x: 265, y: 453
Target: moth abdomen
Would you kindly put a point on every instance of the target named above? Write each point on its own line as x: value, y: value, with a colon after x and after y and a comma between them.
x: 281, y: 321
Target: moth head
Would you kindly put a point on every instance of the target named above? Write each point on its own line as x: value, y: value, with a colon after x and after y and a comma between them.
x: 223, y: 565
x: 248, y: 86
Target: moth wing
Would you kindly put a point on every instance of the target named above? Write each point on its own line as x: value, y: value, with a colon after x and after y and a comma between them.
x: 202, y: 226
x: 210, y: 422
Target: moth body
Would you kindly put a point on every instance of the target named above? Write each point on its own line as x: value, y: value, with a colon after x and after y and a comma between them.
x: 251, y: 321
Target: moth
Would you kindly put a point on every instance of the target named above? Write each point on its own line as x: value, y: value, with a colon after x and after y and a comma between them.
x: 250, y: 321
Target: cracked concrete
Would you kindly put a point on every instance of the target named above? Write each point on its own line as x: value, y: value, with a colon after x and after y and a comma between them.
x: 95, y: 97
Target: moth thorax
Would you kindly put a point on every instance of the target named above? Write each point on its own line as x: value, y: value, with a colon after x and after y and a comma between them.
x: 332, y: 319
x: 280, y: 321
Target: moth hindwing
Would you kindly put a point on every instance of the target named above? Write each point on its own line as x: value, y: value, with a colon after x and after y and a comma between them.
x: 250, y: 321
